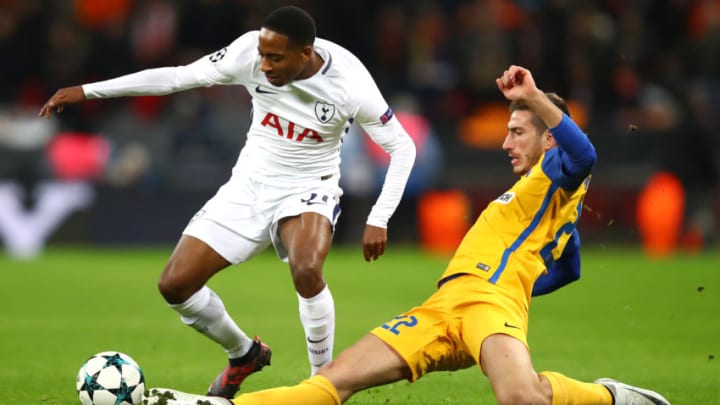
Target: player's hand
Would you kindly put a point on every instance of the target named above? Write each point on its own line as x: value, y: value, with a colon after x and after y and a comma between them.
x: 62, y: 97
x: 516, y: 83
x: 374, y: 242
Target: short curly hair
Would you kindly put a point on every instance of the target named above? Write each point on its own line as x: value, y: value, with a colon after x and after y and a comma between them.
x: 293, y: 22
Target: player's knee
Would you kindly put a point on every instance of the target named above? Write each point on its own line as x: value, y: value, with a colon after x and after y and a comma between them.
x: 307, y: 278
x: 344, y: 382
x: 519, y: 395
x: 172, y: 288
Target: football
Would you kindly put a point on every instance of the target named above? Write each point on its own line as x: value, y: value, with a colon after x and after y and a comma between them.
x: 110, y: 378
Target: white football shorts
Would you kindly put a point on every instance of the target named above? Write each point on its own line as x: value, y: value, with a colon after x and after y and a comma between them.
x: 241, y: 220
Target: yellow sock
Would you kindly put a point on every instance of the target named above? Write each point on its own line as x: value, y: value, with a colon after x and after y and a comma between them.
x: 567, y: 391
x: 316, y: 390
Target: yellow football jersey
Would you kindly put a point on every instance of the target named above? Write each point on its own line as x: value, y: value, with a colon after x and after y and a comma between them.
x: 522, y: 231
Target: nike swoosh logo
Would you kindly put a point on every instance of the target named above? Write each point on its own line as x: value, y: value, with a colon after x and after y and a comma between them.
x: 311, y: 202
x: 507, y: 325
x: 260, y: 90
x: 317, y: 341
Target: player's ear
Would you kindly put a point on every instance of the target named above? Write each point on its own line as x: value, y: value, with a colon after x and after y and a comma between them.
x: 306, y: 53
x: 548, y: 140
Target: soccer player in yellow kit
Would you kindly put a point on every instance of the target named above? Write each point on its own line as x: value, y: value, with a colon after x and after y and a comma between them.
x: 524, y: 243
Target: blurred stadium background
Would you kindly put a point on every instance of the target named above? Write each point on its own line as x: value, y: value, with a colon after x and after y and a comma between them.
x: 642, y: 78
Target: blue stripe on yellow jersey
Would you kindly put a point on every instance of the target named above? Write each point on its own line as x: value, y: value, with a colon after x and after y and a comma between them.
x: 562, y: 271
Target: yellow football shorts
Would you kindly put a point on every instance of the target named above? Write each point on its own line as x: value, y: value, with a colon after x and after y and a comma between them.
x: 445, y: 333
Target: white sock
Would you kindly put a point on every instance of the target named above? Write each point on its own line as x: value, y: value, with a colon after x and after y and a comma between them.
x: 317, y: 315
x: 205, y: 312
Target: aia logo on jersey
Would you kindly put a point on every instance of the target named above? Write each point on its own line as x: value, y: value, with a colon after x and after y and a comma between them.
x: 289, y: 129
x: 324, y: 112
x: 215, y: 57
x: 506, y: 198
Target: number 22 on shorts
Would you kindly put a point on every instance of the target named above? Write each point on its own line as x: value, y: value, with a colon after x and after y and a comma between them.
x: 398, y: 322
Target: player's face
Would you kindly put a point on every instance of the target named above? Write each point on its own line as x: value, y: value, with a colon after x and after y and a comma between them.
x: 523, y: 143
x: 280, y: 61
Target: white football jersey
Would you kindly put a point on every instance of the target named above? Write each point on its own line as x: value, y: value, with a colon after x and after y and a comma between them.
x: 296, y: 129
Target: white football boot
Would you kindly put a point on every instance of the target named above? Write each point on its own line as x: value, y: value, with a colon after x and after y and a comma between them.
x: 166, y: 396
x: 625, y: 394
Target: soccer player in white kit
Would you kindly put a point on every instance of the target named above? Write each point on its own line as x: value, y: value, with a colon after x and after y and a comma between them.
x: 284, y: 189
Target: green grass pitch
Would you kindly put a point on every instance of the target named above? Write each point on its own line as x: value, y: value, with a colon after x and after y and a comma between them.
x: 650, y: 323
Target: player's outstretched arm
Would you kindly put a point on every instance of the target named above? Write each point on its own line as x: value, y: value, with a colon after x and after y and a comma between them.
x: 61, y: 98
x: 149, y: 82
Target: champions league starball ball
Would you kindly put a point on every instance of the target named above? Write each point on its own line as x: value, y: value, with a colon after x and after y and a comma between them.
x: 110, y: 378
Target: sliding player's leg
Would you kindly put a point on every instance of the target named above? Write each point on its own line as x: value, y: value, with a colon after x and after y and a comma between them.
x: 368, y: 363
